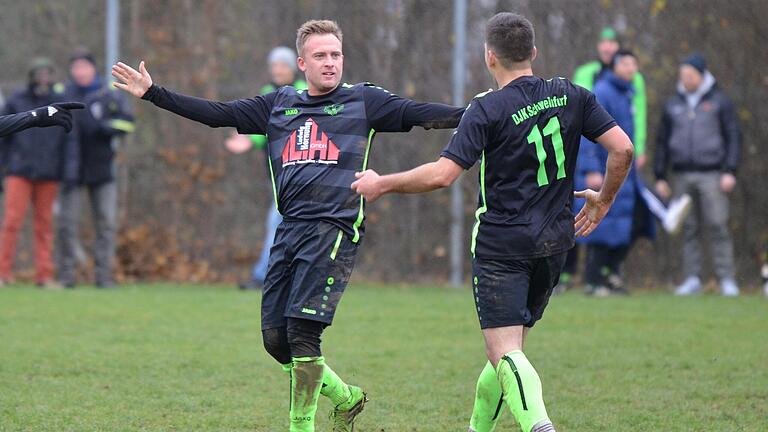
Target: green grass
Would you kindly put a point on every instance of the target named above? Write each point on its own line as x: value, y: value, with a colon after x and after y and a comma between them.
x: 166, y: 358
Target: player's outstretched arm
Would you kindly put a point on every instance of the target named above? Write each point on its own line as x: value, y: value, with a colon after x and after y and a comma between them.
x: 424, y: 178
x: 214, y: 114
x: 620, y: 154
x: 57, y: 114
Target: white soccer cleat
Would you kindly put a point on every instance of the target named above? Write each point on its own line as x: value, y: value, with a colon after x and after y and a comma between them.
x: 690, y: 286
x: 728, y: 288
x: 677, y: 212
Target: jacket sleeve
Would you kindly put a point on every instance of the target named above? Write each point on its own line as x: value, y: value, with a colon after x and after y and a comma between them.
x: 661, y: 153
x: 729, y: 125
x: 119, y: 120
x: 71, y: 155
x: 12, y: 123
x: 640, y: 106
x: 589, y: 160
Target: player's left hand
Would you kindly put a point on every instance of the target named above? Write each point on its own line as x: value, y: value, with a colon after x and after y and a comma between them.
x: 368, y: 185
x: 591, y: 214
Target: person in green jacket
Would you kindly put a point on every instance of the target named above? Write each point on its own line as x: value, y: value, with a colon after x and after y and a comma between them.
x: 587, y: 74
x: 282, y: 72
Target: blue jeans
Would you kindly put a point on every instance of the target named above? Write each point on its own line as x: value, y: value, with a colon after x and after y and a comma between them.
x: 259, y: 271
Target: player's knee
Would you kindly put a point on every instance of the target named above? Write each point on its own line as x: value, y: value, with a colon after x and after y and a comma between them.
x: 304, y: 337
x: 276, y: 344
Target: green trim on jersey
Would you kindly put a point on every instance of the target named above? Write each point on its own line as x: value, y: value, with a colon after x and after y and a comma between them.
x: 482, y: 209
x: 272, y: 177
x: 361, y: 213
x: 336, y: 245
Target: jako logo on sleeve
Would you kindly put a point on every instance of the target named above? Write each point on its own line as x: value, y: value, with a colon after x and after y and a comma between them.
x: 309, y: 144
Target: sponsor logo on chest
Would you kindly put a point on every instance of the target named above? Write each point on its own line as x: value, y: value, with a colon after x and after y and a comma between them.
x: 309, y: 144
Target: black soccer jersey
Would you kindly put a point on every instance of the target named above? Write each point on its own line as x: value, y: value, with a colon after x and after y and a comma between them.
x: 526, y: 137
x: 316, y: 143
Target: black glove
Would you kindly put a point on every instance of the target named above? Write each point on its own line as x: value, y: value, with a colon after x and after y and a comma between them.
x: 56, y: 114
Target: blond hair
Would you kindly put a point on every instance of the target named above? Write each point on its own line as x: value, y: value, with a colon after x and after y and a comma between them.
x: 316, y: 27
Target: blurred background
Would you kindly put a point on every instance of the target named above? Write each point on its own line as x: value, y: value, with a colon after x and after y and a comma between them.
x: 192, y: 211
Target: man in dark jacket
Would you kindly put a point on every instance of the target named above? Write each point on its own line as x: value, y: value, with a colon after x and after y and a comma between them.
x: 35, y: 161
x: 699, y: 137
x: 105, y: 118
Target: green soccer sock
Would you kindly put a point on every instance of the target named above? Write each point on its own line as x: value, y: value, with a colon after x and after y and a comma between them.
x: 522, y: 390
x: 488, y: 401
x: 334, y: 388
x: 306, y: 380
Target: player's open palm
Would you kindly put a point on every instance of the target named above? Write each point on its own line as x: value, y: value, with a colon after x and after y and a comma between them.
x: 135, y: 82
x: 592, y: 213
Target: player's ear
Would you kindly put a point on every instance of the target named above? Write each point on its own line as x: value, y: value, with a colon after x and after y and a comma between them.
x: 301, y: 64
x: 534, y: 53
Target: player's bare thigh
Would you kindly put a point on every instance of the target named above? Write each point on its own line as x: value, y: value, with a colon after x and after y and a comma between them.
x: 502, y: 340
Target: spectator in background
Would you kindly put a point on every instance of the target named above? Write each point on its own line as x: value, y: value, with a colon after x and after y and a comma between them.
x: 629, y: 217
x: 282, y: 72
x: 106, y: 117
x: 586, y: 76
x: 36, y: 160
x: 699, y: 137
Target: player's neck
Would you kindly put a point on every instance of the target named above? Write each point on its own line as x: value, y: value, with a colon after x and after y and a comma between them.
x: 506, y: 76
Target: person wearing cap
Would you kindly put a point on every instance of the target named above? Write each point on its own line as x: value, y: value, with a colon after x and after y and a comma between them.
x: 36, y: 160
x: 588, y: 74
x: 107, y: 117
x: 282, y: 71
x: 699, y: 137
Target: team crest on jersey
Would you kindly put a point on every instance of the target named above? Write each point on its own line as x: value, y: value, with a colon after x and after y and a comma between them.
x: 308, y: 144
x: 333, y: 109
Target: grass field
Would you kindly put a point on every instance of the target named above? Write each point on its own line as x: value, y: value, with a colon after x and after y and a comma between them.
x: 167, y: 358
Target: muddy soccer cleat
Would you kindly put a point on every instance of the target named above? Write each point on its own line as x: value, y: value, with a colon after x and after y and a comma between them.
x: 344, y: 415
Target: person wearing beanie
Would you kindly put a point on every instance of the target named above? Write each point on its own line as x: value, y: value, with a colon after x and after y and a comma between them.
x: 106, y: 119
x: 36, y: 160
x: 587, y: 75
x: 282, y: 71
x: 699, y: 138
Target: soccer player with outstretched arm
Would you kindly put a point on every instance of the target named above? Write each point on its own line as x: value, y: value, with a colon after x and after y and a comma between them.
x: 57, y: 114
x: 525, y: 136
x: 317, y: 140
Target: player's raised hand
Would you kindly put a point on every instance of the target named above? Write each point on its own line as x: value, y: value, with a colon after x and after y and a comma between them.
x: 135, y: 82
x: 591, y: 214
x: 368, y: 185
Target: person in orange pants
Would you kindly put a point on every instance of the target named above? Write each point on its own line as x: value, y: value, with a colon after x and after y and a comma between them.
x: 19, y: 192
x: 37, y: 160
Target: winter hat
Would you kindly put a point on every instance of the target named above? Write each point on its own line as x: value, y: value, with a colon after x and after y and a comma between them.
x: 608, y: 33
x: 40, y: 63
x: 283, y: 54
x: 697, y: 61
x: 82, y: 54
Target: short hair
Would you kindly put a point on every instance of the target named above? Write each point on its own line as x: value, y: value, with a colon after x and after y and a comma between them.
x: 623, y: 52
x: 316, y: 27
x: 510, y: 36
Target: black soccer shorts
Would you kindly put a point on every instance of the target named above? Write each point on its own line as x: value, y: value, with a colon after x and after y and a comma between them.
x: 512, y: 292
x: 309, y: 266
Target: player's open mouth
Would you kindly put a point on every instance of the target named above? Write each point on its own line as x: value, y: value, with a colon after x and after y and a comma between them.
x: 329, y: 74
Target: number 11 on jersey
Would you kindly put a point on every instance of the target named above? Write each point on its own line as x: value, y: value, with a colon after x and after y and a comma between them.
x: 552, y: 129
